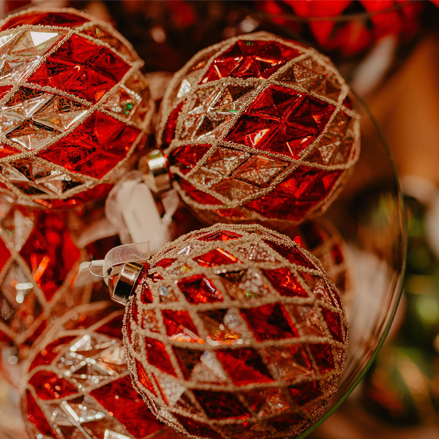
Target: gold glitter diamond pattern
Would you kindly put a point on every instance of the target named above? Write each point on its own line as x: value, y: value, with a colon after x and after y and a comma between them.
x: 32, y: 119
x: 89, y: 364
x: 212, y: 111
x: 206, y: 336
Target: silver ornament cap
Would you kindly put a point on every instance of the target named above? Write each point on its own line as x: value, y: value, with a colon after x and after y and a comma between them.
x: 123, y: 284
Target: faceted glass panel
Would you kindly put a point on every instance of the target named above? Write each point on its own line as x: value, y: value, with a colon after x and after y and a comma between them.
x: 97, y: 70
x: 95, y: 148
x: 250, y: 59
x: 281, y: 120
x: 291, y: 362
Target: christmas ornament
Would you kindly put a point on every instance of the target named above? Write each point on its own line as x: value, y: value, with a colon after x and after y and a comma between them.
x: 346, y: 27
x: 38, y: 264
x: 78, y: 385
x: 234, y: 331
x: 74, y: 107
x: 324, y: 241
x: 259, y: 128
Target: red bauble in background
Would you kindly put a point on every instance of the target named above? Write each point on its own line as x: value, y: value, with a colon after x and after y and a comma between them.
x: 258, y: 128
x: 346, y: 27
x: 235, y: 331
x: 78, y: 385
x: 74, y: 107
x: 323, y: 240
x: 39, y: 260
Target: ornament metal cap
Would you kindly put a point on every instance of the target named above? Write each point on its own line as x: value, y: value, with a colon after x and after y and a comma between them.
x: 122, y: 285
x: 154, y: 167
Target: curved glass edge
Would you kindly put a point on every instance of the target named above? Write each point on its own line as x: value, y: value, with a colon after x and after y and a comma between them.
x: 398, y: 286
x: 399, y: 283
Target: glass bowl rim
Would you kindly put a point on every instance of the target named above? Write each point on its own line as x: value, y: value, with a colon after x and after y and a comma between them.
x: 398, y: 287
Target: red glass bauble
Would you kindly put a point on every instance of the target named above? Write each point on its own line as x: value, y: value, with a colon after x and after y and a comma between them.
x: 259, y: 128
x: 235, y: 331
x: 78, y: 385
x: 75, y: 107
x: 346, y: 27
x: 39, y: 260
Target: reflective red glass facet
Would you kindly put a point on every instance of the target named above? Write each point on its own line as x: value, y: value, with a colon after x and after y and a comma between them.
x: 49, y: 385
x: 250, y: 59
x: 293, y: 254
x: 221, y: 405
x: 99, y: 191
x: 199, y: 196
x: 45, y: 19
x: 158, y: 356
x: 82, y: 68
x: 281, y: 120
x: 297, y: 194
x: 36, y: 416
x: 128, y: 407
x: 334, y: 325
x: 165, y: 262
x: 113, y: 328
x: 244, y: 366
x: 220, y: 236
x: 179, y: 325
x: 197, y: 428
x: 199, y: 289
x: 4, y: 89
x: 216, y: 257
x: 6, y: 150
x: 95, y: 147
x: 47, y: 355
x: 269, y: 322
x: 291, y: 362
x: 50, y: 253
x: 143, y: 378
x: 5, y: 254
x: 323, y: 355
x: 285, y: 282
x: 171, y: 125
x: 305, y: 392
x: 186, y: 157
x: 284, y: 422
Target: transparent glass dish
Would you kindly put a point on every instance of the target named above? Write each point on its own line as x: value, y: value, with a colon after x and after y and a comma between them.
x: 370, y: 216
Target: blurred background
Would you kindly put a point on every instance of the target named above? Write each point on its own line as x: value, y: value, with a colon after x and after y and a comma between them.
x: 389, y: 53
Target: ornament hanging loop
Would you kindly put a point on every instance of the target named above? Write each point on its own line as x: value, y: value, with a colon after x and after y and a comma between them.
x: 97, y: 275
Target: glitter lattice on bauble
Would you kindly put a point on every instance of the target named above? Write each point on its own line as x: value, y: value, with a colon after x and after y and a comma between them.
x: 235, y: 332
x: 78, y: 385
x: 259, y: 128
x: 74, y: 107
